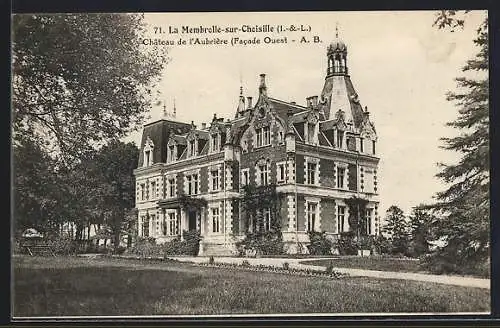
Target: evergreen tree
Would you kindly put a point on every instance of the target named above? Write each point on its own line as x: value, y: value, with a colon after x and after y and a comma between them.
x: 421, y: 234
x: 396, y: 230
x: 464, y: 206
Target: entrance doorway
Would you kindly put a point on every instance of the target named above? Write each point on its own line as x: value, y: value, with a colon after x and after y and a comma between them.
x: 192, y: 220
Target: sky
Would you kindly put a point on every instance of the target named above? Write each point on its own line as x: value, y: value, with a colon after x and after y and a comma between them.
x: 401, y: 67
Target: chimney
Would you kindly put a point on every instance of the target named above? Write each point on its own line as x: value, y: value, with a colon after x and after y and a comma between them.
x: 293, y: 103
x: 203, y: 126
x: 308, y: 102
x: 262, y: 87
x: 314, y: 101
x: 249, y: 100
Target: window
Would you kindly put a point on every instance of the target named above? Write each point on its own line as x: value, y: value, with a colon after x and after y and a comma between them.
x: 340, y: 138
x: 153, y: 189
x: 311, y: 216
x: 164, y: 226
x: 311, y: 173
x: 171, y: 187
x: 173, y: 226
x: 142, y: 191
x: 192, y: 148
x: 195, y: 184
x: 263, y: 136
x: 280, y: 168
x: 266, y: 217
x: 340, y: 177
x: 340, y: 219
x: 147, y: 155
x: 373, y: 147
x: 369, y: 212
x: 192, y: 184
x: 263, y: 174
x: 171, y: 153
x: 311, y: 133
x: 147, y: 190
x: 280, y: 136
x: 215, y: 220
x: 361, y: 144
x: 145, y: 226
x: 244, y: 177
x: 267, y: 136
x: 259, y: 138
x: 215, y: 143
x: 215, y: 179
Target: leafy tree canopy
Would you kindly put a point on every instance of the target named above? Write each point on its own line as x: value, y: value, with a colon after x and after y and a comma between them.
x: 80, y: 80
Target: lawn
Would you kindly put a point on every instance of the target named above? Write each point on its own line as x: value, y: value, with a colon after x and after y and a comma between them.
x: 87, y: 287
x: 370, y: 263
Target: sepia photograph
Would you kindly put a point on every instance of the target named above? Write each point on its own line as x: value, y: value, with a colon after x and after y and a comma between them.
x: 250, y: 164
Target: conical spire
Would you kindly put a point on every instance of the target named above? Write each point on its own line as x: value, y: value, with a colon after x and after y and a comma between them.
x: 241, y: 104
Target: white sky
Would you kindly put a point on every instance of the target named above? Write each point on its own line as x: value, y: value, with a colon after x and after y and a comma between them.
x: 401, y: 67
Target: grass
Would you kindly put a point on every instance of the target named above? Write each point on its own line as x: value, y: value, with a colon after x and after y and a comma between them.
x: 370, y: 263
x: 104, y: 286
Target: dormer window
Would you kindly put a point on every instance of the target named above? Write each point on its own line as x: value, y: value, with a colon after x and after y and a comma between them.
x: 311, y: 133
x: 171, y: 157
x: 148, y: 152
x: 192, y: 148
x: 263, y: 136
x: 340, y: 139
x: 215, y: 142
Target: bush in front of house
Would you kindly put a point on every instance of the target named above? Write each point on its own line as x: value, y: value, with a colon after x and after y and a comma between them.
x: 346, y: 244
x: 319, y: 244
x: 146, y: 247
x: 189, y: 246
x: 264, y: 243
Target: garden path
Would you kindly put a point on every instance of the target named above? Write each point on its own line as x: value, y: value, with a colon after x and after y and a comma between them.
x: 294, y: 263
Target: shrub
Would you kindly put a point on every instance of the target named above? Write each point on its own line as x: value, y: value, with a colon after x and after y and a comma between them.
x: 319, y: 243
x: 381, y: 245
x: 146, y: 247
x: 62, y: 245
x: 346, y: 244
x: 265, y: 243
x: 286, y: 266
x: 211, y: 260
x: 329, y: 268
x: 245, y: 263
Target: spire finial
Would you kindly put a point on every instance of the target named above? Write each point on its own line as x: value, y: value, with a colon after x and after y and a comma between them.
x: 241, y: 90
x: 175, y: 110
x: 337, y: 30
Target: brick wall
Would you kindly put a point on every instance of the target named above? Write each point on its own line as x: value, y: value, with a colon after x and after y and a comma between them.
x: 301, y: 213
x: 274, y: 154
x: 353, y: 177
x: 327, y: 173
x: 328, y: 217
x: 299, y: 168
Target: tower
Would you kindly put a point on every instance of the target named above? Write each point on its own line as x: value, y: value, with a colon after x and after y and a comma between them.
x: 337, y: 57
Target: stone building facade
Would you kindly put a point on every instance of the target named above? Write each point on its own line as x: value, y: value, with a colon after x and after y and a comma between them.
x: 317, y: 156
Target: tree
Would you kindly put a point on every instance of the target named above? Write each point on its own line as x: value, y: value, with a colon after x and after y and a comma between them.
x: 396, y: 229
x: 464, y: 206
x: 80, y: 80
x: 114, y: 165
x: 34, y: 194
x: 421, y: 221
